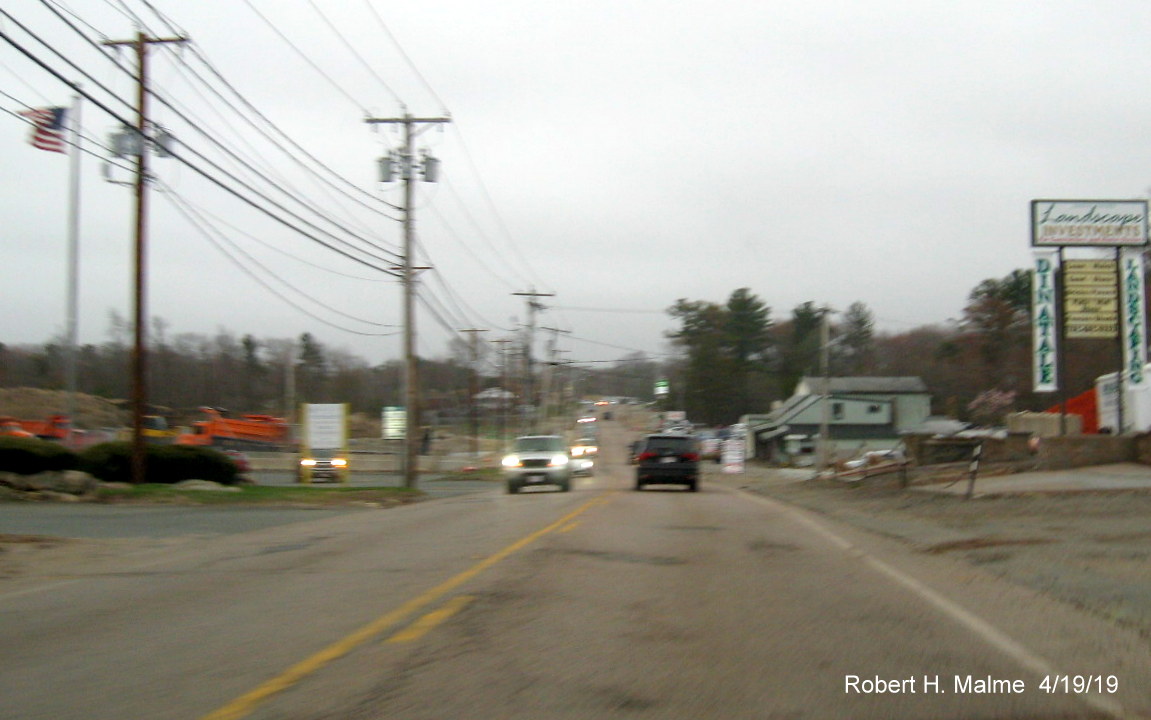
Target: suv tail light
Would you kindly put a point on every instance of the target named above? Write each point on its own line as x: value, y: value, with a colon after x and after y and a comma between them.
x: 691, y: 457
x: 647, y: 455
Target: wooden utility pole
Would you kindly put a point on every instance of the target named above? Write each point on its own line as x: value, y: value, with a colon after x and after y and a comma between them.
x: 504, y: 391
x: 140, y: 316
x: 550, y: 372
x: 529, y: 382
x: 473, y: 389
x: 411, y: 375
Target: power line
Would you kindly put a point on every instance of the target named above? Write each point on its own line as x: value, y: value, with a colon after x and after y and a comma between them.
x: 308, y: 60
x: 198, y: 223
x: 200, y: 171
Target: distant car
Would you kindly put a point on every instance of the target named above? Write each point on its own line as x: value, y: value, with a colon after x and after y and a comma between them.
x: 667, y: 459
x: 584, y: 452
x: 710, y: 446
x: 538, y: 460
x: 240, y: 460
x: 322, y: 466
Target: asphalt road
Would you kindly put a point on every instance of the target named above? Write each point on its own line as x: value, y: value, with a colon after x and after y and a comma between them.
x: 598, y: 603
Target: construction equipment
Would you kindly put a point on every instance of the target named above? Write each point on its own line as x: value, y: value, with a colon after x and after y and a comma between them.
x: 245, y: 432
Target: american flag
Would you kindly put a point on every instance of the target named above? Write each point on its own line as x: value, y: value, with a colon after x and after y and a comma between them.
x: 47, y: 128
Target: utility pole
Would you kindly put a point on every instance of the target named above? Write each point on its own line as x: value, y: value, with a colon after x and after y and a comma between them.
x: 533, y: 306
x: 504, y: 391
x: 825, y: 372
x: 473, y: 389
x: 407, y: 168
x: 549, y: 371
x: 139, y: 354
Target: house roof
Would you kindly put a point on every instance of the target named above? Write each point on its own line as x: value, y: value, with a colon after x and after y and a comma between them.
x: 843, y: 387
x: 866, y: 384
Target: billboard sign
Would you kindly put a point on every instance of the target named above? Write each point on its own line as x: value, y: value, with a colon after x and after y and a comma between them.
x: 1091, y: 223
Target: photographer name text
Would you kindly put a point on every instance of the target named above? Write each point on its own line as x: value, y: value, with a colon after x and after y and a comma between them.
x: 978, y: 685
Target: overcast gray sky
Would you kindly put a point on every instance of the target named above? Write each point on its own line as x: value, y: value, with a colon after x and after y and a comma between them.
x: 618, y: 154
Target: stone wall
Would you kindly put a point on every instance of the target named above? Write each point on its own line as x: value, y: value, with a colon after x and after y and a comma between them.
x: 1026, y: 453
x: 931, y: 450
x: 1074, y: 451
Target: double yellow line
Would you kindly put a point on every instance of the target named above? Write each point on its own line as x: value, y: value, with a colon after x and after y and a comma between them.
x: 246, y: 703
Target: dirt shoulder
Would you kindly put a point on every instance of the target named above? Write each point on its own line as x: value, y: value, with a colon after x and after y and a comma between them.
x: 1089, y: 549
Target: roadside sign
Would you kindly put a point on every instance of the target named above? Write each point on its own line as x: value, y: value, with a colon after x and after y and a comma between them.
x: 1044, y: 332
x: 733, y: 456
x: 1091, y: 298
x: 1134, y: 317
x: 393, y: 423
x: 326, y: 426
x: 1093, y: 223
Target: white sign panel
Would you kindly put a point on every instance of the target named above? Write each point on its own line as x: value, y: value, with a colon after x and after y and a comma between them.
x: 1099, y: 223
x: 394, y: 423
x: 732, y: 455
x: 1044, y: 328
x: 326, y: 426
x: 1134, y: 317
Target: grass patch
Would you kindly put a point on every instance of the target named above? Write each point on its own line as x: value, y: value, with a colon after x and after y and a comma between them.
x: 247, y: 495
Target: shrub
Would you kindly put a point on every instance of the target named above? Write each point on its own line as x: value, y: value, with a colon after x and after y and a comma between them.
x: 28, y: 456
x: 112, y: 462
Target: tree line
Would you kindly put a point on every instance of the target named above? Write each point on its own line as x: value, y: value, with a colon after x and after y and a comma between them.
x: 730, y: 358
x: 736, y: 358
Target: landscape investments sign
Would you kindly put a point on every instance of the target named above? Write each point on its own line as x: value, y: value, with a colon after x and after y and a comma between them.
x: 1044, y: 332
x: 1134, y: 317
x: 1093, y: 223
x: 661, y: 388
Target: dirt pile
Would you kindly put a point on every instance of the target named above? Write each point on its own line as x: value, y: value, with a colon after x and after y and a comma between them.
x: 36, y: 404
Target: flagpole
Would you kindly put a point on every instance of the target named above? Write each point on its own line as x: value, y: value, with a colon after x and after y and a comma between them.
x: 73, y: 265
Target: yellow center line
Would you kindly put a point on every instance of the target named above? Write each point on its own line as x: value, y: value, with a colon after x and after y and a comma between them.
x: 431, y: 621
x: 246, y: 703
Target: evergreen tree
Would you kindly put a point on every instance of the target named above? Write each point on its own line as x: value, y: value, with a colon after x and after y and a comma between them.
x: 854, y: 353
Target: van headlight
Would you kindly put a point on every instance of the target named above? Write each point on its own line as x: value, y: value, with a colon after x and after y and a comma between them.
x: 558, y: 461
x: 308, y: 462
x: 339, y: 462
x: 511, y: 461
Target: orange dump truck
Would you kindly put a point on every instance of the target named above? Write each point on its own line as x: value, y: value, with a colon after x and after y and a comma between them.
x: 245, y: 432
x: 56, y: 427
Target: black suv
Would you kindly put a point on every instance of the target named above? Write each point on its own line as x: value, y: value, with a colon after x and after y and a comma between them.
x: 667, y: 460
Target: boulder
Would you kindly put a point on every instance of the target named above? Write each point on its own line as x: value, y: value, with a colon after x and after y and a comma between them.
x: 205, y: 485
x: 71, y: 482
